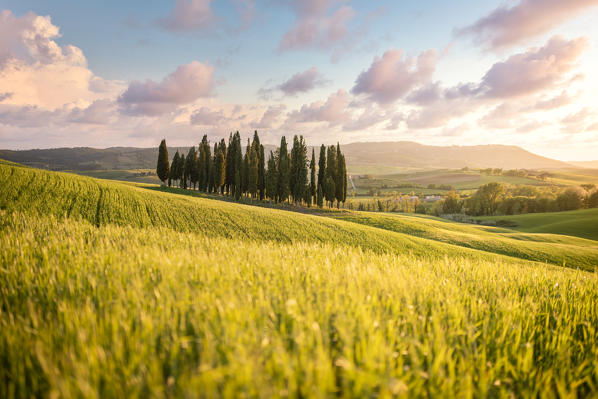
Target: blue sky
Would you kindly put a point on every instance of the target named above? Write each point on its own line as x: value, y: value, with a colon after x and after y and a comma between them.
x: 357, y: 74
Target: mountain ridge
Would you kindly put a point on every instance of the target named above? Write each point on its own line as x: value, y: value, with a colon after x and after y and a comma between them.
x: 407, y: 154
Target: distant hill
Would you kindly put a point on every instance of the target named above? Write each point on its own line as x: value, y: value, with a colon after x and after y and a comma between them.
x: 585, y: 164
x: 381, y: 154
x: 410, y: 154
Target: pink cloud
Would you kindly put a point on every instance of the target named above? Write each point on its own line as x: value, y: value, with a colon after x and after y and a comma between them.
x: 318, y: 24
x: 188, y: 16
x: 302, y: 82
x: 333, y: 110
x: 534, y: 70
x: 100, y: 112
x: 185, y: 85
x: 270, y: 117
x: 507, y: 26
x: 392, y: 76
x: 206, y: 117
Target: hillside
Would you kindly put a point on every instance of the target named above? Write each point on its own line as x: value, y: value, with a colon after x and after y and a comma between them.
x: 116, y: 290
x: 103, y: 202
x: 415, y: 155
x: 359, y: 157
x: 580, y: 223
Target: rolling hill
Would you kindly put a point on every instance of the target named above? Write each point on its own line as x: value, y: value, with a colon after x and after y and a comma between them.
x: 111, y: 289
x: 359, y: 156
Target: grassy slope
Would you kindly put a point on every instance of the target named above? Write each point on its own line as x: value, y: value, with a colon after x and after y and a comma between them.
x: 556, y: 249
x: 103, y: 202
x: 581, y: 223
x: 121, y: 311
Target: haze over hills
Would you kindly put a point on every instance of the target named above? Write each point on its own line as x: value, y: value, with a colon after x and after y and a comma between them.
x: 385, y: 154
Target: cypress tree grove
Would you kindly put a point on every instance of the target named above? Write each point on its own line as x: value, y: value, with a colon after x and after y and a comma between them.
x: 283, y: 171
x: 163, y: 168
x: 238, y: 165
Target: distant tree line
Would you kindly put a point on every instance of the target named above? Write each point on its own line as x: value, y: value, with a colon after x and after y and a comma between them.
x: 497, y: 199
x: 284, y: 177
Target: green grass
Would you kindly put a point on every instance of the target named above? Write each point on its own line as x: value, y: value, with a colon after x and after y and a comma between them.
x: 115, y: 290
x: 121, y: 311
x: 104, y: 202
x: 556, y: 249
x: 131, y: 175
x: 580, y: 223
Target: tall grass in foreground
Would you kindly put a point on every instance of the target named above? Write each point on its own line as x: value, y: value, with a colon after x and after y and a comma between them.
x: 117, y: 311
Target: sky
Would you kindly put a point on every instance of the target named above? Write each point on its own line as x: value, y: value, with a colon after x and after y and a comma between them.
x: 114, y: 73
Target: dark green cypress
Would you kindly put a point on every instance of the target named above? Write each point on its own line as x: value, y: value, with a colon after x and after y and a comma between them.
x: 163, y: 168
x: 283, y: 170
x: 312, y: 180
x: 261, y: 174
x: 331, y: 168
x: 321, y: 174
x: 272, y: 178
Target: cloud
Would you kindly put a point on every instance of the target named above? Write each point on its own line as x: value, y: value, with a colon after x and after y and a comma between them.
x: 392, y: 76
x: 554, y: 102
x: 185, y: 85
x: 534, y: 70
x: 508, y: 26
x: 369, y: 117
x: 270, y: 117
x: 206, y: 117
x: 333, y: 110
x: 577, y: 122
x: 100, y: 112
x: 320, y: 23
x: 38, y: 72
x: 189, y: 16
x: 302, y: 82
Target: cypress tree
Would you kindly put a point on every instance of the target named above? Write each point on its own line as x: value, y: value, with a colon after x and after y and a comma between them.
x: 344, y: 174
x: 245, y: 169
x: 163, y: 168
x: 191, y: 166
x: 283, y: 170
x: 312, y: 180
x: 172, y: 175
x: 261, y: 173
x: 298, y: 176
x: 229, y: 179
x: 220, y: 167
x: 338, y: 181
x: 320, y: 196
x: 331, y: 168
x: 272, y: 178
x: 252, y: 172
x: 183, y: 171
x: 321, y: 173
x: 238, y: 165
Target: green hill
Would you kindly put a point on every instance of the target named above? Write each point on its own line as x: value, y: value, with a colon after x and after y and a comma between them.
x: 580, y: 223
x: 113, y: 290
x: 104, y: 202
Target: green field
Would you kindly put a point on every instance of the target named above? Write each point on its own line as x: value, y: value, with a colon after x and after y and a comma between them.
x: 580, y: 223
x: 132, y: 175
x: 115, y: 290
